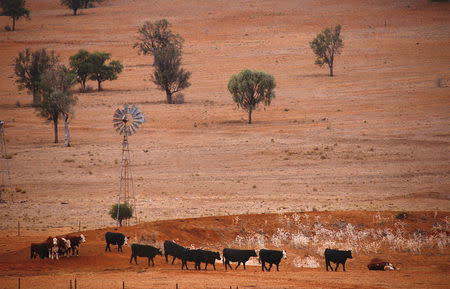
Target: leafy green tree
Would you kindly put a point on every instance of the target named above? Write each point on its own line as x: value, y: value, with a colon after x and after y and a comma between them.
x: 122, y: 212
x: 327, y: 45
x: 14, y: 9
x: 90, y: 3
x: 81, y: 66
x: 157, y: 39
x: 249, y: 88
x: 29, y: 68
x: 100, y: 71
x: 58, y: 98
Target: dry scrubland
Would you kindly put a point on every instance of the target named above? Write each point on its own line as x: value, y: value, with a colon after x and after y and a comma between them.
x: 373, y: 138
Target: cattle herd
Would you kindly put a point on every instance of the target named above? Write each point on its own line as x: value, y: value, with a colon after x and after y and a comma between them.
x: 55, y: 247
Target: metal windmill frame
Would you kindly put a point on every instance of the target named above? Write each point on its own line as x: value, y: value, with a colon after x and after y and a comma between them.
x: 4, y: 165
x: 127, y: 121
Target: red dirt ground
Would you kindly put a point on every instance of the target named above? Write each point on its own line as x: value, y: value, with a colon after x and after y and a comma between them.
x: 374, y: 138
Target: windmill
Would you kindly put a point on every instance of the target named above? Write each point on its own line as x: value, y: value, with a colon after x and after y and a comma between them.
x: 127, y: 121
x: 5, y: 174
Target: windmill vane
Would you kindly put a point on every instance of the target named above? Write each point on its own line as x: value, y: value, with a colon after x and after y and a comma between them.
x: 128, y: 120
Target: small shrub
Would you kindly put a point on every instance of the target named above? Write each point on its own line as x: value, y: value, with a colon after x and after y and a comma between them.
x: 178, y: 98
x: 8, y: 28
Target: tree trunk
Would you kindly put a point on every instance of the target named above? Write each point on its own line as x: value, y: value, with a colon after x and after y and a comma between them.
x: 120, y: 222
x: 250, y: 116
x: 14, y: 23
x: 99, y: 85
x: 331, y: 69
x: 75, y: 11
x: 55, y: 126
x: 36, y: 97
x: 83, y: 85
x: 169, y: 96
x: 66, y: 130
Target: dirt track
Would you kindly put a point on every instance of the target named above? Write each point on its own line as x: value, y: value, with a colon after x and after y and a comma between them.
x: 373, y: 138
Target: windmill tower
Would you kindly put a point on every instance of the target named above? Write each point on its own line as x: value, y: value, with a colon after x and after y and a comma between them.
x: 5, y: 174
x: 127, y: 121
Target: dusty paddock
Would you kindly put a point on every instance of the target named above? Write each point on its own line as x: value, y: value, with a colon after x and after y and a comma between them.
x: 95, y: 268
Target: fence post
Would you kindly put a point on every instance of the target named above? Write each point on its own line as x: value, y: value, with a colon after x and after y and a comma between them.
x: 176, y: 286
x: 79, y: 225
x: 123, y: 284
x: 70, y: 284
x: 75, y: 283
x: 18, y: 228
x: 19, y: 283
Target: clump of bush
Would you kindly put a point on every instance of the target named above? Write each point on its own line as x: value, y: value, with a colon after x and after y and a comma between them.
x: 402, y: 215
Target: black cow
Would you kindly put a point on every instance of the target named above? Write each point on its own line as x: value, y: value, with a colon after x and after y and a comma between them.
x: 115, y: 239
x: 207, y: 257
x: 188, y: 255
x: 338, y: 257
x: 144, y: 251
x: 173, y: 249
x: 236, y: 255
x: 271, y: 257
x: 40, y: 250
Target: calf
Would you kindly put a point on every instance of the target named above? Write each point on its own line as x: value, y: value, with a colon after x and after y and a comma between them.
x: 271, y: 257
x: 75, y: 242
x: 144, y: 251
x: 236, y: 255
x: 381, y: 265
x: 173, y: 249
x: 115, y: 239
x: 337, y: 257
x: 207, y: 257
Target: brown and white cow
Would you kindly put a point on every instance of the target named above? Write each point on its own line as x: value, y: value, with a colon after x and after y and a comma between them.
x: 381, y: 265
x: 75, y: 242
x: 63, y: 247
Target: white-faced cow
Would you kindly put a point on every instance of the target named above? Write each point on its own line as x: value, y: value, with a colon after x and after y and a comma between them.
x: 381, y: 265
x: 115, y: 239
x: 236, y: 255
x: 63, y: 247
x: 271, y: 257
x: 337, y: 257
x: 138, y: 250
x: 75, y: 242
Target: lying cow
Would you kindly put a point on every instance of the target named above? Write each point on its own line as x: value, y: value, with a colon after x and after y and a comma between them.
x: 38, y: 249
x: 144, y: 251
x: 337, y: 257
x: 75, y: 243
x: 115, y: 239
x: 236, y: 255
x: 271, y: 257
x: 381, y: 265
x: 173, y: 249
x: 207, y: 257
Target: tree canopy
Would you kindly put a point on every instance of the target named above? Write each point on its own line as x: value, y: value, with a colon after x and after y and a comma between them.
x: 29, y: 68
x: 326, y: 46
x: 81, y: 66
x: 102, y: 71
x: 157, y: 39
x: 14, y: 9
x: 75, y: 5
x: 249, y: 88
x: 122, y: 212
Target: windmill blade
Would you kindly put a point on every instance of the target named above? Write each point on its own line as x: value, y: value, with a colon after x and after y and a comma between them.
x: 133, y: 110
x: 132, y: 129
x: 118, y: 124
x: 126, y: 109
